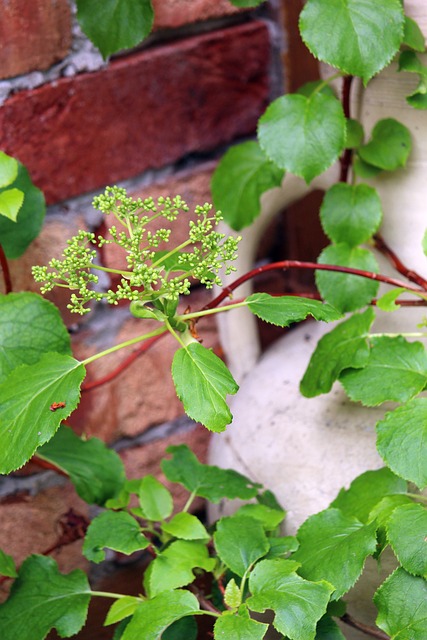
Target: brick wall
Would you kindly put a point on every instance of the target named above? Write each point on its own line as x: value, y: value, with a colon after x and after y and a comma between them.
x: 156, y: 120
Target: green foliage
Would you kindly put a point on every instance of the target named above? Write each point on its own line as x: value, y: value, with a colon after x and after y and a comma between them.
x: 406, y: 532
x: 7, y: 565
x: 240, y: 541
x: 303, y: 135
x: 116, y: 530
x: 389, y: 146
x: 410, y: 62
x: 113, y: 25
x: 239, y: 627
x: 285, y: 310
x: 402, y: 617
x: 364, y: 38
x: 241, y: 177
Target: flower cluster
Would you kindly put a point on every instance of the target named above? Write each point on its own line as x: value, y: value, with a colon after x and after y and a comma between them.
x: 151, y: 273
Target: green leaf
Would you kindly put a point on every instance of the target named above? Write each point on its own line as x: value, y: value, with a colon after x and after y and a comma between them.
x: 183, y: 628
x: 26, y: 418
x: 268, y: 517
x: 395, y: 371
x: 406, y: 532
x: 402, y: 606
x: 240, y: 541
x: 401, y: 438
x: 327, y: 629
x: 8, y: 169
x: 202, y: 382
x: 41, y: 599
x: 113, y: 25
x: 284, y: 310
x: 409, y: 61
x: 10, y: 203
x: 246, y: 3
x: 366, y: 491
x: 282, y: 546
x: 413, y: 36
x: 334, y: 547
x: 297, y: 603
x: 17, y: 236
x: 174, y: 566
x: 232, y: 595
x: 364, y: 170
x: 96, y: 471
x: 121, y: 609
x: 385, y: 507
x: 153, y: 616
x: 29, y: 327
x: 241, y: 177
x: 155, y: 500
x: 389, y: 147
x: 355, y: 134
x: 345, y: 346
x: 206, y: 481
x: 7, y: 565
x: 350, y: 213
x: 344, y: 291
x: 303, y: 135
x: 387, y: 302
x: 186, y: 526
x: 238, y: 627
x: 364, y: 38
x: 115, y: 530
x: 309, y: 88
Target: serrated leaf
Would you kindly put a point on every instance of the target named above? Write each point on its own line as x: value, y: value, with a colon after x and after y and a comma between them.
x: 303, y: 135
x: 232, y: 595
x: 413, y: 36
x: 385, y: 507
x: 334, y: 547
x: 238, y: 627
x: 344, y: 291
x: 401, y: 438
x: 121, y: 609
x: 173, y: 567
x: 345, y: 346
x: 28, y: 417
x: 29, y: 327
x: 202, y: 383
x: 366, y: 491
x: 364, y: 38
x: 113, y: 25
x: 7, y: 565
x: 268, y: 517
x: 183, y: 628
x: 297, y: 603
x: 327, y: 629
x: 186, y: 526
x: 284, y: 310
x: 387, y: 302
x: 354, y: 134
x: 406, y: 532
x: 17, y: 236
x: 10, y: 203
x: 42, y: 599
x: 389, y: 146
x: 155, y: 499
x: 96, y: 471
x: 402, y: 606
x: 153, y: 616
x: 409, y: 61
x: 8, y: 169
x: 395, y: 371
x: 240, y: 541
x: 350, y: 213
x: 115, y: 530
x: 206, y: 481
x: 243, y: 174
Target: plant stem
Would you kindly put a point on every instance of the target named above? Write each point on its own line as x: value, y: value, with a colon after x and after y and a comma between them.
x: 418, y: 496
x: 413, y: 276
x: 127, y: 343
x: 107, y: 594
x: 6, y: 272
x: 189, y: 501
x: 208, y: 312
x: 364, y: 628
x: 345, y: 160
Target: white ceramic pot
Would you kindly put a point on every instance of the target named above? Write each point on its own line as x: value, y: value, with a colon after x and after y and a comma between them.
x: 305, y: 450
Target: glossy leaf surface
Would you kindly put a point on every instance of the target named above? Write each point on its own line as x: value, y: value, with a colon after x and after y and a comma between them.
x: 115, y: 530
x: 389, y: 146
x: 10, y: 203
x: 240, y: 541
x: 284, y: 310
x: 186, y: 526
x: 402, y: 606
x: 155, y: 499
x: 238, y: 627
x: 406, y: 532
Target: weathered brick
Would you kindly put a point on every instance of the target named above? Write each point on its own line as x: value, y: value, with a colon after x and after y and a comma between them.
x: 33, y: 35
x: 176, y: 13
x: 143, y: 111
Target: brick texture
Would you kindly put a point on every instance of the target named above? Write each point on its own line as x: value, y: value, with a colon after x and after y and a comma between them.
x: 143, y: 111
x: 33, y: 35
x: 176, y: 13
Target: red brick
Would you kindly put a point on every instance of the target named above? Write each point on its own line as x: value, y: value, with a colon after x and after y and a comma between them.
x: 175, y: 13
x: 142, y: 112
x: 33, y: 35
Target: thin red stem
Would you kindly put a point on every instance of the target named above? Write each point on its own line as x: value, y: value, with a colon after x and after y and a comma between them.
x: 413, y: 276
x: 345, y: 160
x: 364, y: 628
x: 6, y: 272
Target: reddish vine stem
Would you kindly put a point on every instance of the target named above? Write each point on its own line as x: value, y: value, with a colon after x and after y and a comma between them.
x: 364, y: 628
x: 383, y: 248
x: 346, y: 158
x: 44, y: 464
x: 123, y: 365
x: 6, y: 272
x: 297, y: 264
